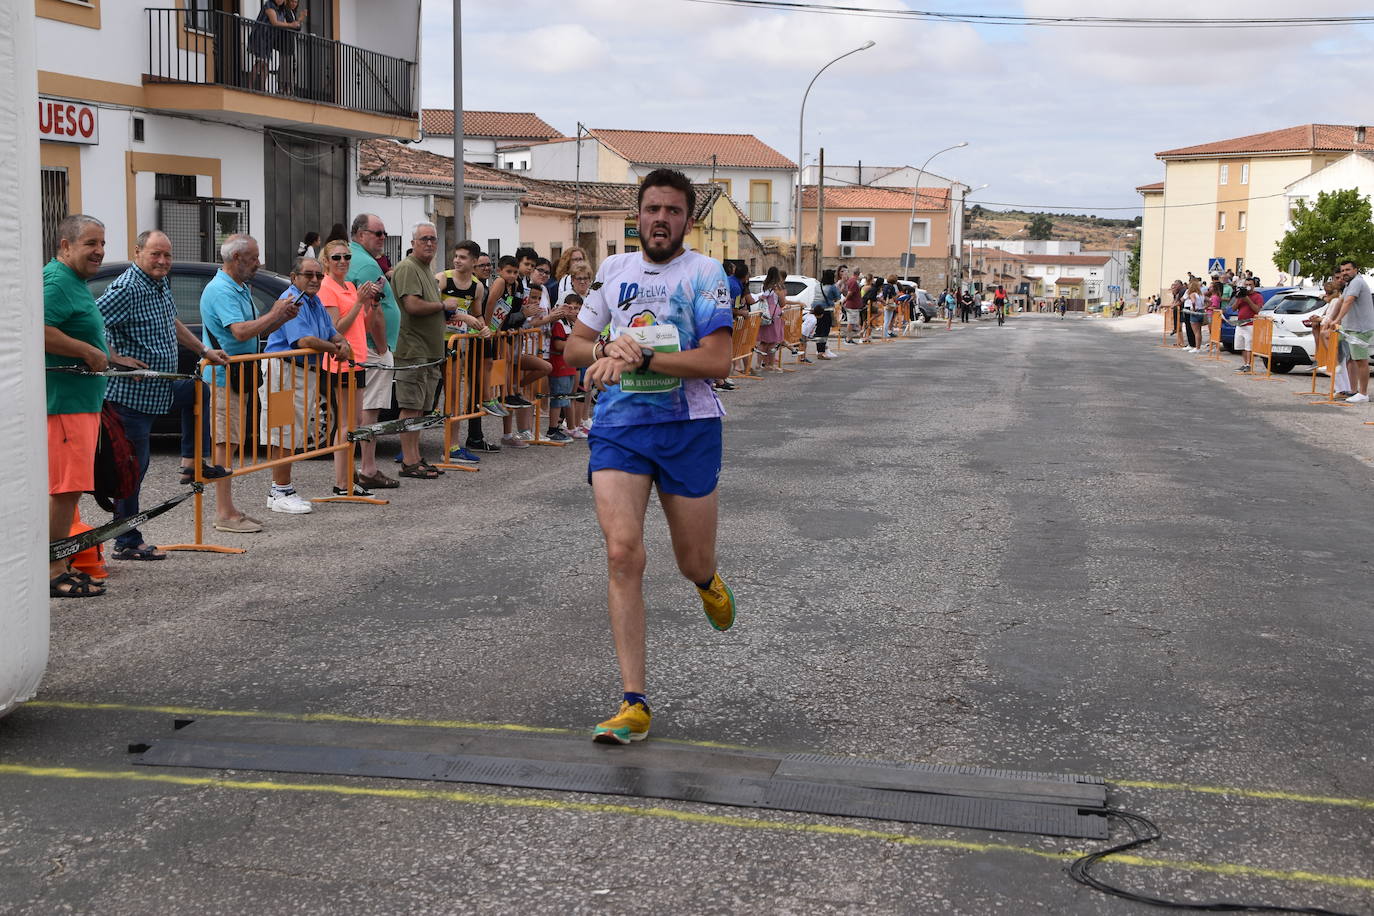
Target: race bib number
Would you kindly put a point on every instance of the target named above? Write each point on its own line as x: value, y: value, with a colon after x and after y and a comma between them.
x: 663, y: 338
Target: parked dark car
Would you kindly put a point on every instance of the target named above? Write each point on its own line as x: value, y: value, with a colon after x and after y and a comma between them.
x: 188, y: 279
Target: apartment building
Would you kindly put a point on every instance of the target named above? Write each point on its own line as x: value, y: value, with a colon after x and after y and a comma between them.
x: 1227, y: 202
x: 197, y: 120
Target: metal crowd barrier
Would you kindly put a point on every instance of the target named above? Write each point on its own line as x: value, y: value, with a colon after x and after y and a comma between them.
x: 1263, y: 345
x: 274, y: 399
x: 743, y: 339
x: 1214, y: 335
x: 464, y: 380
x: 1327, y: 355
x: 791, y: 337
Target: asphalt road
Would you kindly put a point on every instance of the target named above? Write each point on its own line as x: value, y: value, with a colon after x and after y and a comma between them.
x: 1050, y: 546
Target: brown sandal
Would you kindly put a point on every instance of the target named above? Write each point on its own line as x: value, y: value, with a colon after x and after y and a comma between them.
x: 420, y: 471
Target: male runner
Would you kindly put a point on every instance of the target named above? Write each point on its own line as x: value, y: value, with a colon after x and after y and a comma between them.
x: 657, y: 420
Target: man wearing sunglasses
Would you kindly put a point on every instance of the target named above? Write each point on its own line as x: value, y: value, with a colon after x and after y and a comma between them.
x: 310, y: 329
x: 369, y: 241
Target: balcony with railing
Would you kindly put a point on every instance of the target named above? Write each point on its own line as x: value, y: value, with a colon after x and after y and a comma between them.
x: 251, y: 67
x: 761, y: 211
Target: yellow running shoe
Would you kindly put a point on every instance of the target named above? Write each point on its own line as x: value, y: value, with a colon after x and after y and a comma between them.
x: 630, y: 724
x: 718, y: 602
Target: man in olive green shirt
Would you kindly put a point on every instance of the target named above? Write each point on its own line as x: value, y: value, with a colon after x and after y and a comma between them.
x: 73, y: 335
x: 420, y: 340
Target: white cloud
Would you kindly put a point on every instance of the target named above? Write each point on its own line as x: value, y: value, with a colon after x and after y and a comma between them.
x: 559, y: 48
x: 1063, y: 117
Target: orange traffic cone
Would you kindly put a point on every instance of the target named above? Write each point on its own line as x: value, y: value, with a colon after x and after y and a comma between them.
x: 90, y: 561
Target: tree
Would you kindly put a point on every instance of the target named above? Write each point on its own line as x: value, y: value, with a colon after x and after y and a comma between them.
x: 1333, y: 229
x: 1040, y: 226
x: 1133, y: 265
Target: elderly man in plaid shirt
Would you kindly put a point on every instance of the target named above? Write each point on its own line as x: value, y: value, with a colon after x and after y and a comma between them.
x: 143, y: 331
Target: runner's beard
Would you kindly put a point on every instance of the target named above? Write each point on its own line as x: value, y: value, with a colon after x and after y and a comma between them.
x: 659, y: 252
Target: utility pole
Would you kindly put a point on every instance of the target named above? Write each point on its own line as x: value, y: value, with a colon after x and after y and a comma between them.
x: 711, y: 220
x: 577, y: 197
x: 460, y: 209
x: 820, y: 213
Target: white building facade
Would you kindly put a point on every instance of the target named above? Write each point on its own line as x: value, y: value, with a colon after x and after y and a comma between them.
x: 201, y: 122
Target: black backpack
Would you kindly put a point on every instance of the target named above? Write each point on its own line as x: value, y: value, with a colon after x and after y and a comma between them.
x: 116, y: 465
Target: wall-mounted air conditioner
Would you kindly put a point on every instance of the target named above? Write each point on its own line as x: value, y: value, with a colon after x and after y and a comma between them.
x: 846, y: 251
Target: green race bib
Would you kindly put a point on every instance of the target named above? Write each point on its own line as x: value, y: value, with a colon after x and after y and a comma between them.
x: 663, y: 338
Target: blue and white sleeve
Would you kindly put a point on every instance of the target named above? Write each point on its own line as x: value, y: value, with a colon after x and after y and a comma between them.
x: 712, y: 306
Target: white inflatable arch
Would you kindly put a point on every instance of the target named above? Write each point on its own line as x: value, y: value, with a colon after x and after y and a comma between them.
x: 23, y: 414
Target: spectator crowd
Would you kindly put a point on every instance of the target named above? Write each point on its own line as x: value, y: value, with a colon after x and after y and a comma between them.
x: 354, y: 332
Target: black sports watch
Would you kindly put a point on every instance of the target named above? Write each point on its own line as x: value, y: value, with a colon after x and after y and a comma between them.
x: 648, y: 354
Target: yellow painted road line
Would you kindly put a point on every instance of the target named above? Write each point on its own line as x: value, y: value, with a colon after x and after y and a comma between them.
x: 347, y: 720
x: 193, y: 711
x: 1267, y: 794
x: 687, y: 817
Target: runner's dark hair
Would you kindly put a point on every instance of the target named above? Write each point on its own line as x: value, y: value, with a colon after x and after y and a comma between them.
x: 506, y: 261
x: 526, y: 252
x: 470, y: 247
x: 670, y: 178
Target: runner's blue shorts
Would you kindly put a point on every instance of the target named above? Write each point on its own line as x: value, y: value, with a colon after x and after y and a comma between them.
x: 682, y: 457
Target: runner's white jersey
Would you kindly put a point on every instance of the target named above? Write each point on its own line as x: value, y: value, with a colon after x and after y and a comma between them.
x: 668, y: 307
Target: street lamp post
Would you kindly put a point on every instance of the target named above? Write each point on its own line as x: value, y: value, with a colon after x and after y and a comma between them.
x: 801, y: 120
x: 958, y: 276
x: 915, y: 193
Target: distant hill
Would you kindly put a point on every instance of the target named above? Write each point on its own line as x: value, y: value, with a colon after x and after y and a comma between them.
x: 1093, y: 231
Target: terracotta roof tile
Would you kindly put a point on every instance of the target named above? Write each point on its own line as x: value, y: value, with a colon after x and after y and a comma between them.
x: 602, y: 195
x: 1305, y: 138
x: 1157, y: 186
x: 654, y: 147
x: 857, y: 197
x: 508, y: 125
x: 381, y: 159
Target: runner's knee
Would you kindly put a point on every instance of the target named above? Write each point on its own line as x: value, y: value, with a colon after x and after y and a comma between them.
x: 625, y: 557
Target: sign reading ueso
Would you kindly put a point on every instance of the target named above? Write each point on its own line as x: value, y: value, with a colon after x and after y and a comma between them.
x: 68, y: 122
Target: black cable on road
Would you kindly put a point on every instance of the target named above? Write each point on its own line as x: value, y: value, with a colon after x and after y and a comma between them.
x: 1144, y: 832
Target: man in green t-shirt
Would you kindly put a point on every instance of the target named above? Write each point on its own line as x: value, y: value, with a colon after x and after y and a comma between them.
x: 73, y: 335
x: 420, y: 341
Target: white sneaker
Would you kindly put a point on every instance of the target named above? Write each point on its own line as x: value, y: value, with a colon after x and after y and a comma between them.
x: 525, y: 434
x: 290, y: 503
x: 578, y: 432
x: 514, y: 441
x: 1357, y: 399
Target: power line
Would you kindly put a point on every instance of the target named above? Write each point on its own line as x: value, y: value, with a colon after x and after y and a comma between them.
x: 1092, y: 22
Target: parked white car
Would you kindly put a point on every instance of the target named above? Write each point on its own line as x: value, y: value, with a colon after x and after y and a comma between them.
x: 1293, y: 341
x: 799, y: 287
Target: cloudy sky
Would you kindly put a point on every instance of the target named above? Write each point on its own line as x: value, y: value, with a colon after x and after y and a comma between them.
x: 1056, y: 118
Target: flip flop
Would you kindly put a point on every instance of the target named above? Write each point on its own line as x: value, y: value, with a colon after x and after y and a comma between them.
x: 141, y: 552
x: 74, y: 587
